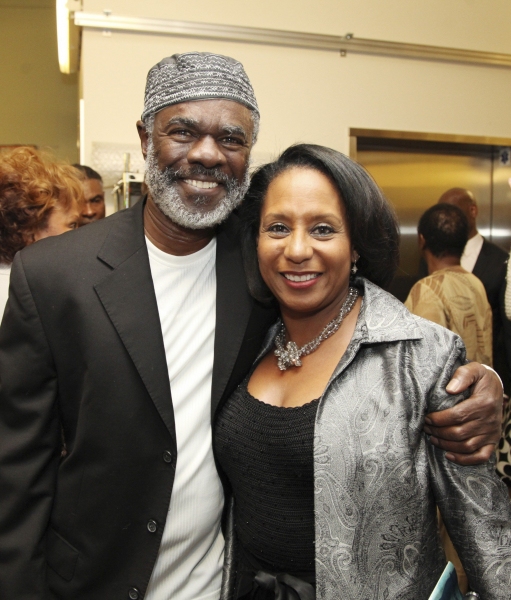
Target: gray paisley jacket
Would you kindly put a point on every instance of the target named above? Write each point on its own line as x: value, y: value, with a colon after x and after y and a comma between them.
x: 378, y: 479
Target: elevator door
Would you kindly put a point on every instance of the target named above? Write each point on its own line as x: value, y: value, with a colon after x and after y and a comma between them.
x: 414, y: 174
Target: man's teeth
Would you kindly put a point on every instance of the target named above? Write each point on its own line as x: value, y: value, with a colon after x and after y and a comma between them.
x: 203, y: 185
x: 297, y: 278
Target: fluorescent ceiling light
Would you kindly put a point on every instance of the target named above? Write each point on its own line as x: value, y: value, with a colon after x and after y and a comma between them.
x: 68, y: 35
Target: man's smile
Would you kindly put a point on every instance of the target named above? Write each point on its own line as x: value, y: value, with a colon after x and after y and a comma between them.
x: 202, y: 185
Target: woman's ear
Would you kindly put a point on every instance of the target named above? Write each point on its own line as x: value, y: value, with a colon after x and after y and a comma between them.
x: 354, y: 256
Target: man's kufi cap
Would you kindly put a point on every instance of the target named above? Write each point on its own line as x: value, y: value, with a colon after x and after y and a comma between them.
x: 197, y: 76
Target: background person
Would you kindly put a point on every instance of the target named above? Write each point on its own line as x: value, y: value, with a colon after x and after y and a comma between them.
x: 38, y: 198
x: 335, y: 484
x: 450, y: 295
x: 487, y: 262
x: 93, y: 207
x: 454, y: 298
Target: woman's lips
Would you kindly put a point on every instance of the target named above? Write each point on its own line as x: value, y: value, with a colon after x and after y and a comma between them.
x: 301, y: 280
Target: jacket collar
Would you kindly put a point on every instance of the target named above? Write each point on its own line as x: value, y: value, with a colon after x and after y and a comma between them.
x: 126, y: 236
x: 127, y: 294
x: 382, y: 317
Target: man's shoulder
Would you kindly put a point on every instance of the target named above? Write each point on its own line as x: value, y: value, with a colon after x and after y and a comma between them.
x: 492, y: 250
x: 76, y: 252
x: 474, y: 287
x: 456, y: 279
x: 430, y: 283
x: 82, y: 242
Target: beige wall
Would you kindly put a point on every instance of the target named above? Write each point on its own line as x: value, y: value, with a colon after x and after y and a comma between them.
x: 38, y: 105
x: 311, y: 95
x: 472, y: 24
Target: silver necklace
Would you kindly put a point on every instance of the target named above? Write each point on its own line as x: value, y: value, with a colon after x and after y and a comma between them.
x: 290, y: 355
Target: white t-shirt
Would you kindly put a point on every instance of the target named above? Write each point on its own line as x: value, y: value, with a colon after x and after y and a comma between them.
x: 190, y: 559
x: 5, y: 275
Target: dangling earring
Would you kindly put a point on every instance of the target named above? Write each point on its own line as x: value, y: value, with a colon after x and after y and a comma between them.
x: 354, y: 268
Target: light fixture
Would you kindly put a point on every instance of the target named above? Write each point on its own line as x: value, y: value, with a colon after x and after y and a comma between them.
x: 68, y: 35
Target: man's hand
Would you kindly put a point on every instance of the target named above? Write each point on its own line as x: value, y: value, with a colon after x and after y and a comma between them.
x: 470, y: 430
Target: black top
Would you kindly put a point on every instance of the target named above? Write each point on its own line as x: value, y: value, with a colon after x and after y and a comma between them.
x: 267, y: 453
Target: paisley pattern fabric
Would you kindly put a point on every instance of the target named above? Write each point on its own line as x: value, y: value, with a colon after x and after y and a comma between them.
x: 378, y: 479
x: 504, y: 449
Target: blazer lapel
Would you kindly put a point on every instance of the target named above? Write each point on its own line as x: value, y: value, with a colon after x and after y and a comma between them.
x: 233, y: 308
x: 128, y: 297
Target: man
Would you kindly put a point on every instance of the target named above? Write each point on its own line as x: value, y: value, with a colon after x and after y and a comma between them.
x: 450, y: 295
x: 94, y: 205
x: 453, y: 298
x: 487, y: 262
x: 125, y: 338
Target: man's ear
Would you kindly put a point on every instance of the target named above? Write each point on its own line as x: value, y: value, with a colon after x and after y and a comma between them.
x: 422, y: 242
x: 144, y: 138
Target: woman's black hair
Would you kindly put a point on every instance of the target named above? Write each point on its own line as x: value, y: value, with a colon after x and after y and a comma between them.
x: 370, y: 218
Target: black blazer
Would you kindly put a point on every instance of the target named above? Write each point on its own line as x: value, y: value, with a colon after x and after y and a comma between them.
x: 82, y: 354
x: 490, y: 267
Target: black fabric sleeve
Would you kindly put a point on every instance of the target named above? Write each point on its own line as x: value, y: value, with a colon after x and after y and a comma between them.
x: 30, y: 443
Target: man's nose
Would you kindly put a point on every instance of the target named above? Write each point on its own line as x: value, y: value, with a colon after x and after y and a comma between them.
x: 206, y: 151
x: 298, y: 247
x: 87, y: 211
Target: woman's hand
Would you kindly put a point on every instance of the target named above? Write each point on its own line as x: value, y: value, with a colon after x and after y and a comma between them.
x: 469, y: 431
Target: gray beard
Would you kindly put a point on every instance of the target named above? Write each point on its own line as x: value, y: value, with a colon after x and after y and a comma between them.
x: 162, y: 186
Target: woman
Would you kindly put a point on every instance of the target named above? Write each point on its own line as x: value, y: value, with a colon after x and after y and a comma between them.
x: 38, y: 198
x: 335, y: 484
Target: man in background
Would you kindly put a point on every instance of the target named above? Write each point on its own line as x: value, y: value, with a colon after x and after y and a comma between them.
x: 487, y: 262
x: 94, y: 205
x: 450, y: 295
x: 453, y: 298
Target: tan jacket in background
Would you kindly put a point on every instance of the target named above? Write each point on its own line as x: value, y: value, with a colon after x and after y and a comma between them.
x: 456, y: 299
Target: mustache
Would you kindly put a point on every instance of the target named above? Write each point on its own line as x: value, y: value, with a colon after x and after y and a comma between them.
x: 172, y: 175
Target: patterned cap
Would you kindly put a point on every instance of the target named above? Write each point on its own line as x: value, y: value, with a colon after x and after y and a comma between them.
x: 196, y: 76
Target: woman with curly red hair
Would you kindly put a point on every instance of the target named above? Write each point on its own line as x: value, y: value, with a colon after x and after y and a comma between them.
x: 38, y: 198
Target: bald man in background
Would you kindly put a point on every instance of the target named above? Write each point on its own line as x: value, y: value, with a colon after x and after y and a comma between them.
x: 487, y: 262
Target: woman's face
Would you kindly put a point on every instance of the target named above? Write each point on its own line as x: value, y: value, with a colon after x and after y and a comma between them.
x: 304, y: 247
x: 59, y: 221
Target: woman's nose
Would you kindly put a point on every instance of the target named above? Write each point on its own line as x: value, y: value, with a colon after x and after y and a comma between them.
x: 298, y: 247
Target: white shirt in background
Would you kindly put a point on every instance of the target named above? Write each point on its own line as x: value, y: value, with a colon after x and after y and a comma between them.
x: 471, y: 252
x: 190, y: 559
x: 5, y: 275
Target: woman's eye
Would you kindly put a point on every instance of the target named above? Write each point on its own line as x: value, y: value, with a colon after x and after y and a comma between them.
x: 323, y: 230
x: 277, y: 228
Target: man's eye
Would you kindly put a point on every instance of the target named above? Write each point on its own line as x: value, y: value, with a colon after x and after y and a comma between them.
x: 180, y: 133
x: 232, y: 141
